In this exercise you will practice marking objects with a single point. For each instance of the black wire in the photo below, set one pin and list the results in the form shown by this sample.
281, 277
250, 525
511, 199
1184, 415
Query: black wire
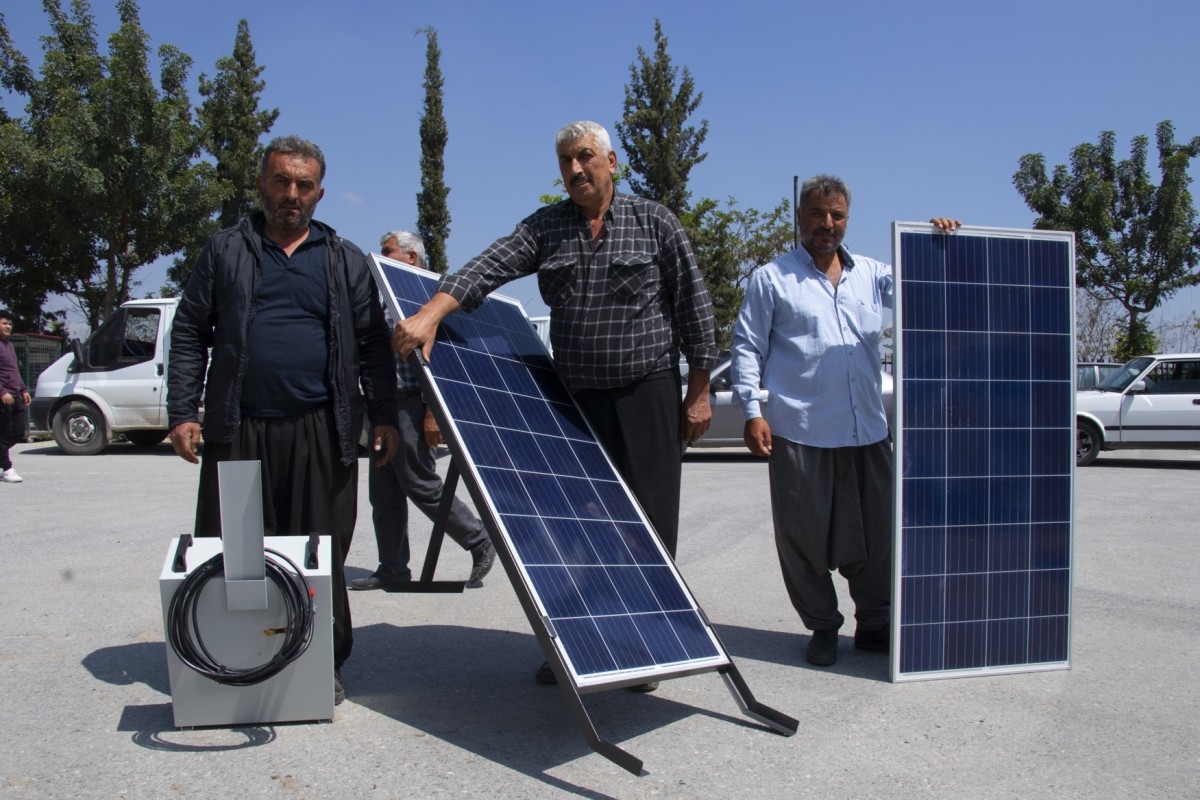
183, 622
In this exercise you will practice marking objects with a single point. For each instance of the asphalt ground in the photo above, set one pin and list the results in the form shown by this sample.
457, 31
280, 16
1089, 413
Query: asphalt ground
442, 701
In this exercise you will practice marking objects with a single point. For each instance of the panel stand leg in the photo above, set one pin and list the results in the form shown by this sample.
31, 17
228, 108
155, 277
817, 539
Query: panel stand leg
742, 695
427, 583
621, 758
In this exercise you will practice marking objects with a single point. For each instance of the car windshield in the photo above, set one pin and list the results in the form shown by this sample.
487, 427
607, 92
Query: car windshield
1119, 380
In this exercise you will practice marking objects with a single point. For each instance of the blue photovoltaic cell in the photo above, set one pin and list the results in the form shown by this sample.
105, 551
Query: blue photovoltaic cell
614, 602
984, 450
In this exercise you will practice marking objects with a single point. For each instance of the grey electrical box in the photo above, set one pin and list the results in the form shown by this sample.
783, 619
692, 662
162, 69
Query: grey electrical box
302, 691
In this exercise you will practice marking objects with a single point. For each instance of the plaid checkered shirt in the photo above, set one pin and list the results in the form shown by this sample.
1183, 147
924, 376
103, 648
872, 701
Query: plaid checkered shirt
621, 308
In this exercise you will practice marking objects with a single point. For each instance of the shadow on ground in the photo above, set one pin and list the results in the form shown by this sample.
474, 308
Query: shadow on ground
475, 689
112, 450
153, 726
123, 665
1110, 462
786, 648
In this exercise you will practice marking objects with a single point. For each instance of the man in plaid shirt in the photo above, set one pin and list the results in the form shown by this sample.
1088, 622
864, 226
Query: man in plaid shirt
625, 297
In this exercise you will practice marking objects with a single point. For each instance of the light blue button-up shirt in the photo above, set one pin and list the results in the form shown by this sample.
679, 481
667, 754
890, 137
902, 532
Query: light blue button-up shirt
815, 349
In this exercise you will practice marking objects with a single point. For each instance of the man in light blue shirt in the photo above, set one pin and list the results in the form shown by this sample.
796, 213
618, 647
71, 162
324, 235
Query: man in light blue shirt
809, 333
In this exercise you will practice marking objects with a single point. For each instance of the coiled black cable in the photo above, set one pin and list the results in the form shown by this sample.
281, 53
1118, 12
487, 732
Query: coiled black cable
183, 628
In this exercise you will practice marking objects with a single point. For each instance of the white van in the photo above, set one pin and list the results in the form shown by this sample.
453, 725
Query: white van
113, 384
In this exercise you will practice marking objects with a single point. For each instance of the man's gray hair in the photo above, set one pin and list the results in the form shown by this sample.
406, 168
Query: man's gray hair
292, 146
408, 242
825, 186
582, 129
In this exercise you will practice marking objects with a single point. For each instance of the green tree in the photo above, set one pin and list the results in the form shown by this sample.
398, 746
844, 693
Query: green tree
120, 184
231, 125
433, 213
1134, 242
27, 275
38, 244
661, 147
730, 243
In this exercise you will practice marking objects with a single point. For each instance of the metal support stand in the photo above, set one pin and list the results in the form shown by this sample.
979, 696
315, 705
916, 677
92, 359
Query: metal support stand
752, 708
542, 627
427, 584
773, 719
622, 758
544, 633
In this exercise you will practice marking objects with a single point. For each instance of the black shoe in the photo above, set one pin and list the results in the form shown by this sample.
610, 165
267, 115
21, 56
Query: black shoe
380, 579
366, 584
339, 691
877, 640
644, 688
822, 648
482, 559
545, 674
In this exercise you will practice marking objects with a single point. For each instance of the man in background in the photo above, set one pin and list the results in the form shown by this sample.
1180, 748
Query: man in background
14, 400
412, 474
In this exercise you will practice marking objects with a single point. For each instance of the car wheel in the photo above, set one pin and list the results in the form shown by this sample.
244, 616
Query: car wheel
79, 429
1087, 443
145, 438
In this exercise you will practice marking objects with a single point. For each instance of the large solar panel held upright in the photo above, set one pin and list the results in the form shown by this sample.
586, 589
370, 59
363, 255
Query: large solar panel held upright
593, 577
985, 370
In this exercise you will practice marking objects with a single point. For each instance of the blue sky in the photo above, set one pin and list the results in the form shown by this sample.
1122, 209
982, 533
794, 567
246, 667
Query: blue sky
924, 108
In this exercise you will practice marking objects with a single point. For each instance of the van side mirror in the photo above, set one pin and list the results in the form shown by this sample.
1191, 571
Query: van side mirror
80, 362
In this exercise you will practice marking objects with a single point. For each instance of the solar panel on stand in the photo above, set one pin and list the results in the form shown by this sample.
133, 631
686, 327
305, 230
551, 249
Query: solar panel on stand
985, 451
600, 591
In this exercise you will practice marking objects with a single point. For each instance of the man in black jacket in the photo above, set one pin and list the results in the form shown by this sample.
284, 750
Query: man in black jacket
292, 318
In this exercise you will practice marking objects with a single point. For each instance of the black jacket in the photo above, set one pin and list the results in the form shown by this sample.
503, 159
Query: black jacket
214, 315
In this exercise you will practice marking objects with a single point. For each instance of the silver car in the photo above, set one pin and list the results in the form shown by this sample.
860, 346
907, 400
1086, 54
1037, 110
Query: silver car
728, 420
1152, 402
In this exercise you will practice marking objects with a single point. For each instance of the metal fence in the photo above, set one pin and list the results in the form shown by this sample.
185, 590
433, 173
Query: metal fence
35, 352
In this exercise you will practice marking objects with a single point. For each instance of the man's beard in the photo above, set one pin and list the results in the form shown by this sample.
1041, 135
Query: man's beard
292, 224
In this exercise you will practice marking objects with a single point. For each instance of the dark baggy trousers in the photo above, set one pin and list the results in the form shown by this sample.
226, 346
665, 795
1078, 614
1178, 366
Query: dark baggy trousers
832, 509
306, 489
639, 426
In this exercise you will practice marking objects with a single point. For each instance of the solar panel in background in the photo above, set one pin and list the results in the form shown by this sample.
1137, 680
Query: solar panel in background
985, 451
591, 565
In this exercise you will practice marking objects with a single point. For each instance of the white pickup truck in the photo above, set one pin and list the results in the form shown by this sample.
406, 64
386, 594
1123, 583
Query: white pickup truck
112, 384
